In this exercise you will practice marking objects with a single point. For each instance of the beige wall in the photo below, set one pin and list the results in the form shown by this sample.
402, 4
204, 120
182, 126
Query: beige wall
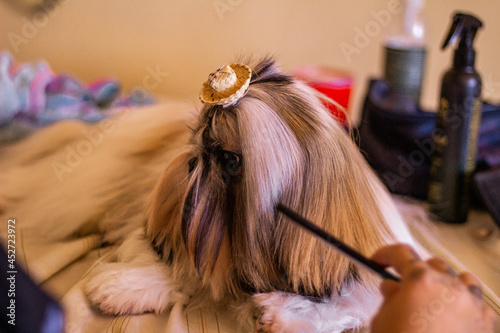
190, 38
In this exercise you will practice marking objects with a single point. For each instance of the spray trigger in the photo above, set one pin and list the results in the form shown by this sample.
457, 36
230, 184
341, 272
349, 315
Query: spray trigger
464, 27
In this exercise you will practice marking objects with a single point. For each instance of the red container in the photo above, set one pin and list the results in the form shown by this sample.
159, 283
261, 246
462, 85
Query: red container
334, 83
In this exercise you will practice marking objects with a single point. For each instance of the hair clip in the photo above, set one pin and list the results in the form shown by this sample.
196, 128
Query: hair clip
226, 85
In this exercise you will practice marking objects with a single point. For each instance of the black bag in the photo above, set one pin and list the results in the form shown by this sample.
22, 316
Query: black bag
396, 138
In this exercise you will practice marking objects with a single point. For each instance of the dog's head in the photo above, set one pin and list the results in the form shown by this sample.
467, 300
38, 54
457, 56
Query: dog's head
277, 144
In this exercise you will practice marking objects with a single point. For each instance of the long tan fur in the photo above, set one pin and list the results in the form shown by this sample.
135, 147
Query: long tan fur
292, 151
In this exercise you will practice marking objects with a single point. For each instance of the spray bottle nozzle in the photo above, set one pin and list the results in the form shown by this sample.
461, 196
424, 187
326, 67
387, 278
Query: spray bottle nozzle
464, 26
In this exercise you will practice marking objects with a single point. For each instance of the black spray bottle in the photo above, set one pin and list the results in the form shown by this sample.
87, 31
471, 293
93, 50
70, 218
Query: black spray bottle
457, 126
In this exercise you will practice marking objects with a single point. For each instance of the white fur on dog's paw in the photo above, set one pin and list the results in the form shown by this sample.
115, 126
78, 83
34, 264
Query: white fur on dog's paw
281, 315
291, 313
118, 289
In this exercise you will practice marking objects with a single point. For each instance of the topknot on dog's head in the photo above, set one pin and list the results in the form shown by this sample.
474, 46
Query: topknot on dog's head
227, 85
265, 73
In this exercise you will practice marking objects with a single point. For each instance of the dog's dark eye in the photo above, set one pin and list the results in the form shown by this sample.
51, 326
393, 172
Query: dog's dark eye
192, 163
231, 161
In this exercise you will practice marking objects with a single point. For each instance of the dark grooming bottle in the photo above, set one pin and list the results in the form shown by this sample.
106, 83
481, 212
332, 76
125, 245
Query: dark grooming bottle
455, 136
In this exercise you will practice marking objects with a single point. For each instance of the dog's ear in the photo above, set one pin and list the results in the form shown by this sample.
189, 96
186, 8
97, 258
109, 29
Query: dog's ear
203, 216
166, 206
186, 211
343, 196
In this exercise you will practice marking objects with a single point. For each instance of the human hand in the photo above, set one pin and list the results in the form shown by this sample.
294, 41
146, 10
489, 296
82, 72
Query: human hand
431, 297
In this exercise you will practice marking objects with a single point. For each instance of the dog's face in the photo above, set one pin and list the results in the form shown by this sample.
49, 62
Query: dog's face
277, 144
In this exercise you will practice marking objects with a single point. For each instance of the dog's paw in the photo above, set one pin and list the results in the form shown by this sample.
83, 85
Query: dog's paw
272, 321
118, 289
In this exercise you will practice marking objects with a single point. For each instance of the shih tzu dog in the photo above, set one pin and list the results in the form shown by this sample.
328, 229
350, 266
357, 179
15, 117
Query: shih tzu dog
211, 231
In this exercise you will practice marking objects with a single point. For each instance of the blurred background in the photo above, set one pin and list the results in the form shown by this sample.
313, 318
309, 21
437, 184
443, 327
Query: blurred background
169, 47
183, 41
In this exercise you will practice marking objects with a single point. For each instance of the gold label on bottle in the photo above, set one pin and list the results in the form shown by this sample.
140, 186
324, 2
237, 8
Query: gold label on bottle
435, 192
471, 148
439, 136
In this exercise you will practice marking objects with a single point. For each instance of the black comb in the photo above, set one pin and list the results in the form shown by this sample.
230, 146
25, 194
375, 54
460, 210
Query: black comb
342, 248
